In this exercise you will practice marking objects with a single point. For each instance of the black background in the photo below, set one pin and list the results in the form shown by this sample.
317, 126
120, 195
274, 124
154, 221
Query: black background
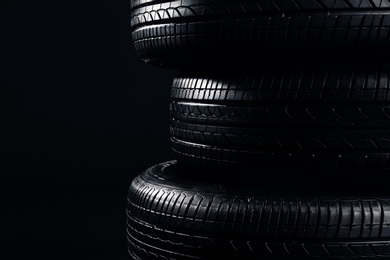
81, 116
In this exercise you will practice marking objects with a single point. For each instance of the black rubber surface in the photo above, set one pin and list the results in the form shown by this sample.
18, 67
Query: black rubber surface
334, 118
286, 83
203, 32
175, 215
282, 139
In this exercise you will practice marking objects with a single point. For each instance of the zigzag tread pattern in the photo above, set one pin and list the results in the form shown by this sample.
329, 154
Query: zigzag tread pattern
271, 4
329, 33
355, 84
140, 237
342, 163
165, 31
283, 139
282, 113
146, 11
183, 219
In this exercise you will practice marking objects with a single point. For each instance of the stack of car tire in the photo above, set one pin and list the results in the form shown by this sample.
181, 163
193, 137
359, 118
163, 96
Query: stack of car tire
280, 122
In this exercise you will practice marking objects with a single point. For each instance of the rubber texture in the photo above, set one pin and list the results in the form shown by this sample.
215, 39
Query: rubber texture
173, 216
335, 119
194, 33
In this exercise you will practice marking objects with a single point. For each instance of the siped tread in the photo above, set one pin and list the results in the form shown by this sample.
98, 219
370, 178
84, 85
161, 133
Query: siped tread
336, 83
167, 33
282, 139
333, 118
281, 114
170, 216
328, 164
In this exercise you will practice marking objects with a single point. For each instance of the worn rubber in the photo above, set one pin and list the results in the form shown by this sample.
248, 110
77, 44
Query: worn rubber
195, 33
171, 215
